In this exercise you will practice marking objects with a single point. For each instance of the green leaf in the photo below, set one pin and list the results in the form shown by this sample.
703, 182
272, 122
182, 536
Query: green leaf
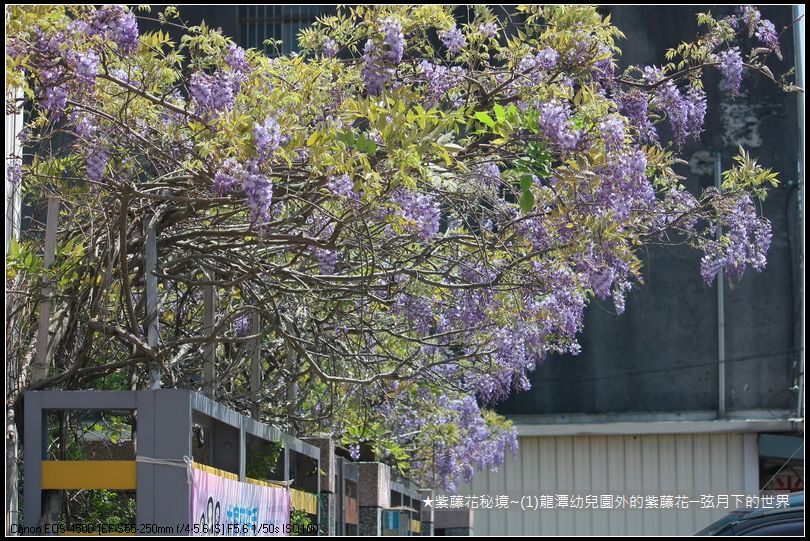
484, 118
313, 139
346, 137
512, 113
14, 250
526, 200
500, 113
366, 145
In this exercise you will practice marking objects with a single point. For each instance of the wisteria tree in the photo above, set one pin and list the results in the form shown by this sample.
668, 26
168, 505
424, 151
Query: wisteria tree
400, 222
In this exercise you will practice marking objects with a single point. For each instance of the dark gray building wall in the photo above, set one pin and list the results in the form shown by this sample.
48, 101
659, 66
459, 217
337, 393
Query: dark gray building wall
661, 354
225, 17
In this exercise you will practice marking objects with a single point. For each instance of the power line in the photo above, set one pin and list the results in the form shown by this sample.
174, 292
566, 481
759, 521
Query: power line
666, 369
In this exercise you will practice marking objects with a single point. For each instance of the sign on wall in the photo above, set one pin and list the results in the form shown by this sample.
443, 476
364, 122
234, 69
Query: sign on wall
225, 506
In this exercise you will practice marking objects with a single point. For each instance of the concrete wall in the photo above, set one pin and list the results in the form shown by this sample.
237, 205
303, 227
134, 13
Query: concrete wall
656, 464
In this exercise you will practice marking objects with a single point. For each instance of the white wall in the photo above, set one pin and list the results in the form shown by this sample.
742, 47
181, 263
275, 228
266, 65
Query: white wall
691, 464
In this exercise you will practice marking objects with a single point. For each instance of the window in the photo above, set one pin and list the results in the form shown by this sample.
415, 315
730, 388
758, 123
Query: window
259, 23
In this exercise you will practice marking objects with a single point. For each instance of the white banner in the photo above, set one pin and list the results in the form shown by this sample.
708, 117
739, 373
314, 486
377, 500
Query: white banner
224, 506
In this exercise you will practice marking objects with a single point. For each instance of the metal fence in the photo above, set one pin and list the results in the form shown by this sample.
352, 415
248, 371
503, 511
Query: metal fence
169, 422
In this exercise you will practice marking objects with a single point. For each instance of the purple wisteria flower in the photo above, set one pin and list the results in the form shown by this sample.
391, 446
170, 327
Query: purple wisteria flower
259, 190
635, 106
421, 210
479, 445
763, 29
479, 448
416, 310
766, 34
686, 113
327, 260
379, 60
48, 44
580, 52
533, 67
235, 58
731, 66
117, 24
342, 186
554, 124
440, 80
96, 158
750, 17
393, 40
534, 229
54, 100
241, 326
604, 70
695, 111
213, 93
230, 176
489, 175
488, 30
453, 39
54, 93
746, 242
624, 185
15, 49
268, 137
547, 58
680, 206
652, 74
375, 73
329, 48
354, 452
14, 172
84, 125
612, 129
86, 66
620, 290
